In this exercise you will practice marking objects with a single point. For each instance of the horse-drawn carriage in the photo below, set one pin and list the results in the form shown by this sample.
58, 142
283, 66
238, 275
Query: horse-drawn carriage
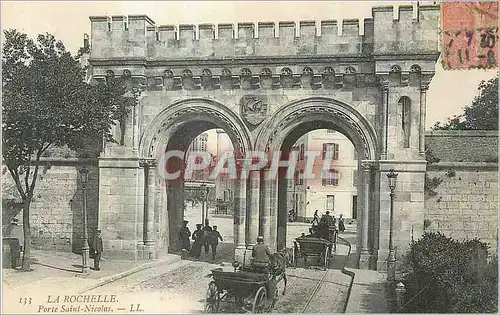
316, 245
255, 292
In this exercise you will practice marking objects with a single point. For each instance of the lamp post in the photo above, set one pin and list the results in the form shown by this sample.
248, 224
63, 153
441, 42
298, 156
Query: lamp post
85, 246
391, 264
202, 191
205, 195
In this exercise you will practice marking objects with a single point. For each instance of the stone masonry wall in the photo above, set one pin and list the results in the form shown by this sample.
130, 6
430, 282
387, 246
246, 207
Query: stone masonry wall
463, 146
57, 207
465, 204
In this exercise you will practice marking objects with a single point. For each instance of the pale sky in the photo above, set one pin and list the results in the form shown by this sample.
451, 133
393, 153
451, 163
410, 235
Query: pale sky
68, 21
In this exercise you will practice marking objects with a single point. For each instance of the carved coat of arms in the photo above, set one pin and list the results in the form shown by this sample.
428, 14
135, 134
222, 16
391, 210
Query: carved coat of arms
253, 108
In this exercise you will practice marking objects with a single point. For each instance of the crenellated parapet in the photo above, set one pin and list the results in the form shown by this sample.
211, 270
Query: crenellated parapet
405, 31
137, 36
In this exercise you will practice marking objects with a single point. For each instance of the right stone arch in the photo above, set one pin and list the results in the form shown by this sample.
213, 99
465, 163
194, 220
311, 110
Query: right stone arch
302, 116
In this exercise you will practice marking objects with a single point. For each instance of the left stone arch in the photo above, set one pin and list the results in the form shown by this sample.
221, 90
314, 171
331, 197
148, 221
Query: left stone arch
153, 142
173, 129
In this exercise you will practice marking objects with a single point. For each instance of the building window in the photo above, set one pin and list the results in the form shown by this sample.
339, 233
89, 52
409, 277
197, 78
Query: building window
330, 178
301, 153
299, 177
355, 178
330, 203
405, 104
333, 147
354, 207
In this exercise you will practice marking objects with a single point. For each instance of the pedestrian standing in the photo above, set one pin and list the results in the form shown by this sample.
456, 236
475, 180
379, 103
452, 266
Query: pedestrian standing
97, 248
184, 235
214, 240
341, 224
16, 231
207, 229
197, 244
315, 220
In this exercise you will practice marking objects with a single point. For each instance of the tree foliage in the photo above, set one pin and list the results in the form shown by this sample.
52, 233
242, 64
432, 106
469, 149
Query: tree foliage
481, 114
46, 102
449, 276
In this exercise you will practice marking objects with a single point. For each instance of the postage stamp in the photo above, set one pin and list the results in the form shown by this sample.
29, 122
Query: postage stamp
469, 33
249, 156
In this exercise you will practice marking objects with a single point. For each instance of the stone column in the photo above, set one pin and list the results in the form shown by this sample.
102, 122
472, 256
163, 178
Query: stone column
253, 209
385, 120
135, 119
265, 210
423, 105
149, 204
364, 253
240, 210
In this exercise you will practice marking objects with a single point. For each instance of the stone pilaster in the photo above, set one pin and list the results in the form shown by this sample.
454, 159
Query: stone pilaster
364, 253
385, 120
253, 209
423, 105
150, 192
135, 119
240, 207
265, 209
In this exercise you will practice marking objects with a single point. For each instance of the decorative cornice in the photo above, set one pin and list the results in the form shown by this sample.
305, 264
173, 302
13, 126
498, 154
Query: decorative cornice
148, 163
428, 56
235, 60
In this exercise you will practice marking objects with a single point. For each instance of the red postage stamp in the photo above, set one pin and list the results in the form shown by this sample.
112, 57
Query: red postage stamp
469, 35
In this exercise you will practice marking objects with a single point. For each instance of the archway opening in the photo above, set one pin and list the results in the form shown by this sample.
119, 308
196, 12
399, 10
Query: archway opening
326, 179
209, 198
200, 195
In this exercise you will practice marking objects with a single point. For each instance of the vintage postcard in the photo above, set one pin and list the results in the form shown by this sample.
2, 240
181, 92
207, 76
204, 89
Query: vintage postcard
263, 157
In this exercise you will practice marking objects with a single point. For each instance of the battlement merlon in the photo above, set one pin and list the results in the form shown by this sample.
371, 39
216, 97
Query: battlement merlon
405, 31
137, 36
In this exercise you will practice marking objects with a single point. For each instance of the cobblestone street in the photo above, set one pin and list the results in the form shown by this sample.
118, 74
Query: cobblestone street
180, 287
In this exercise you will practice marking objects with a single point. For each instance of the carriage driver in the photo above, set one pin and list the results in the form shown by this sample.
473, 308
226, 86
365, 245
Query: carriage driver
261, 256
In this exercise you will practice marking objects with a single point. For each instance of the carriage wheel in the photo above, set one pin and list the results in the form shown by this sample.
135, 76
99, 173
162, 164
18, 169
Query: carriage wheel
212, 298
259, 302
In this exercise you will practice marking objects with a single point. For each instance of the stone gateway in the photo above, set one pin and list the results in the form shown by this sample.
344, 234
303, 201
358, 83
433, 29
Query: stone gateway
266, 85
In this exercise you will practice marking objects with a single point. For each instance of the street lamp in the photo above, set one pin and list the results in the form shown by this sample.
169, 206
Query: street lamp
203, 186
85, 246
391, 264
205, 194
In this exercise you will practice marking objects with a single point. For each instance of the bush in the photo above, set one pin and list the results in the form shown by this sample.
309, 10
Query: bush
445, 275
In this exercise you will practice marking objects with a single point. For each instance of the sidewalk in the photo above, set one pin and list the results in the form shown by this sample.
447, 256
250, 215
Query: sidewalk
62, 271
368, 293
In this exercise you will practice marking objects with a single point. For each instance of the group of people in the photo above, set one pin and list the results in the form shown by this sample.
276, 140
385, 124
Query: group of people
326, 227
328, 220
204, 236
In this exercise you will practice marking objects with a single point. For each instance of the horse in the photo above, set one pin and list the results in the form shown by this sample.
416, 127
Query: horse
279, 262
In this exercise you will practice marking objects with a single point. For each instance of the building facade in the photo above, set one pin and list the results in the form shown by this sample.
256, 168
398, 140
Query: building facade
332, 184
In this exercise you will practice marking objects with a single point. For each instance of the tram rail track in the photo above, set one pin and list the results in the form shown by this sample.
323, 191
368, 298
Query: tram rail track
324, 277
